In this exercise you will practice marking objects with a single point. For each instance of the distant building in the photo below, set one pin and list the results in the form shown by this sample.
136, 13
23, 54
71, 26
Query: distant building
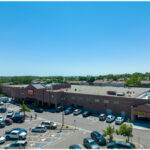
145, 83
109, 83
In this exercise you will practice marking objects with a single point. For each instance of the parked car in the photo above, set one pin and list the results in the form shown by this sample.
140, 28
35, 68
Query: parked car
1, 103
98, 138
10, 114
18, 119
110, 118
39, 110
60, 109
90, 143
3, 110
77, 112
17, 114
74, 147
4, 99
8, 121
15, 134
16, 145
120, 145
39, 129
102, 117
15, 129
49, 124
86, 114
2, 139
69, 110
1, 118
119, 120
2, 124
20, 129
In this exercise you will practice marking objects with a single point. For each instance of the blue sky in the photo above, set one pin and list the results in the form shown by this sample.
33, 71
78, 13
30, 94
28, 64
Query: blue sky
74, 38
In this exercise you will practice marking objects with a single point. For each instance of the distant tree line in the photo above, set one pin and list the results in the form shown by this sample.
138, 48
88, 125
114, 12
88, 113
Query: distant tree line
130, 79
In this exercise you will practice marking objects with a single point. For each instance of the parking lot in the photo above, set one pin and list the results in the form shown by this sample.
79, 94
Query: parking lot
77, 129
36, 140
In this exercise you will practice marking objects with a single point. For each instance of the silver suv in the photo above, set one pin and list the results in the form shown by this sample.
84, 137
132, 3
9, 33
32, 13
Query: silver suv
15, 134
41, 128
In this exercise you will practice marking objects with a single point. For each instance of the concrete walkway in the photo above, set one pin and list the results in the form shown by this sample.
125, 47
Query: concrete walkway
139, 126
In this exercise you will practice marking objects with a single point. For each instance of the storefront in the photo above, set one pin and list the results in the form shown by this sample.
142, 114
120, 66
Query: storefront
141, 113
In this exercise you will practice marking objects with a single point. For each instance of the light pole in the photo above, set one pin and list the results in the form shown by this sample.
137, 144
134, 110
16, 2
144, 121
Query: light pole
75, 124
62, 122
63, 119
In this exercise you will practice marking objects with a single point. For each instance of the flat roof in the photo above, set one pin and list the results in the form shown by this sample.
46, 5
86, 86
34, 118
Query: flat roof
102, 90
23, 85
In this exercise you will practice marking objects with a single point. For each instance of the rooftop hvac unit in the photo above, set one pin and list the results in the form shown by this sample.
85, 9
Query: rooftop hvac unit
120, 94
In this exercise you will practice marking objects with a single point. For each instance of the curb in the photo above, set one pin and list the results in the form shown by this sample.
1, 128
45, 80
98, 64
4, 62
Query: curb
137, 145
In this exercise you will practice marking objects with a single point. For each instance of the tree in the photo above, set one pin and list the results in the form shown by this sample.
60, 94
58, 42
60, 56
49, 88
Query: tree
109, 132
126, 131
90, 79
135, 80
24, 108
81, 78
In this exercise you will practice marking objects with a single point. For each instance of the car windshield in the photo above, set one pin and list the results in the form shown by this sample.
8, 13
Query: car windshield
1, 117
69, 108
119, 118
51, 123
9, 111
97, 134
77, 110
92, 142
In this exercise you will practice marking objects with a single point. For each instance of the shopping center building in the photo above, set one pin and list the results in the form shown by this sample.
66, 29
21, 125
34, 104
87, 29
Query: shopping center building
131, 102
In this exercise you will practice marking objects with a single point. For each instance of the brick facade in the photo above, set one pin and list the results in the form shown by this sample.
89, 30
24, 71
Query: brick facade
116, 105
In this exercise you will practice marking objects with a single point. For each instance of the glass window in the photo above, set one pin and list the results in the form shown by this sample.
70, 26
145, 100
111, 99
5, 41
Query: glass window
116, 102
88, 99
96, 100
80, 98
106, 101
73, 98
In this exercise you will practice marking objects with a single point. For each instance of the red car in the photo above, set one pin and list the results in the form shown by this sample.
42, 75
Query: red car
8, 121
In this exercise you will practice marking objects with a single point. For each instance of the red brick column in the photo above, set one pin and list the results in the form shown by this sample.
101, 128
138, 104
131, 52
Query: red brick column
132, 114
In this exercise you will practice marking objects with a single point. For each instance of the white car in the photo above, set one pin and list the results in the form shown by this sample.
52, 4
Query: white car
10, 112
15, 134
110, 118
2, 139
119, 120
1, 103
1, 118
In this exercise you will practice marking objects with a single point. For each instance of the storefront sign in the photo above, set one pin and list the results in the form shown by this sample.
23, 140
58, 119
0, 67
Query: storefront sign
139, 112
30, 92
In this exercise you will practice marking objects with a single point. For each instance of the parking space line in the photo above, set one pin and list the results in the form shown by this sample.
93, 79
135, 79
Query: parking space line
68, 131
40, 145
51, 140
60, 135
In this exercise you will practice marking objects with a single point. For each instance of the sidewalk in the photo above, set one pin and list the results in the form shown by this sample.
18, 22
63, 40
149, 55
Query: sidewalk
139, 126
